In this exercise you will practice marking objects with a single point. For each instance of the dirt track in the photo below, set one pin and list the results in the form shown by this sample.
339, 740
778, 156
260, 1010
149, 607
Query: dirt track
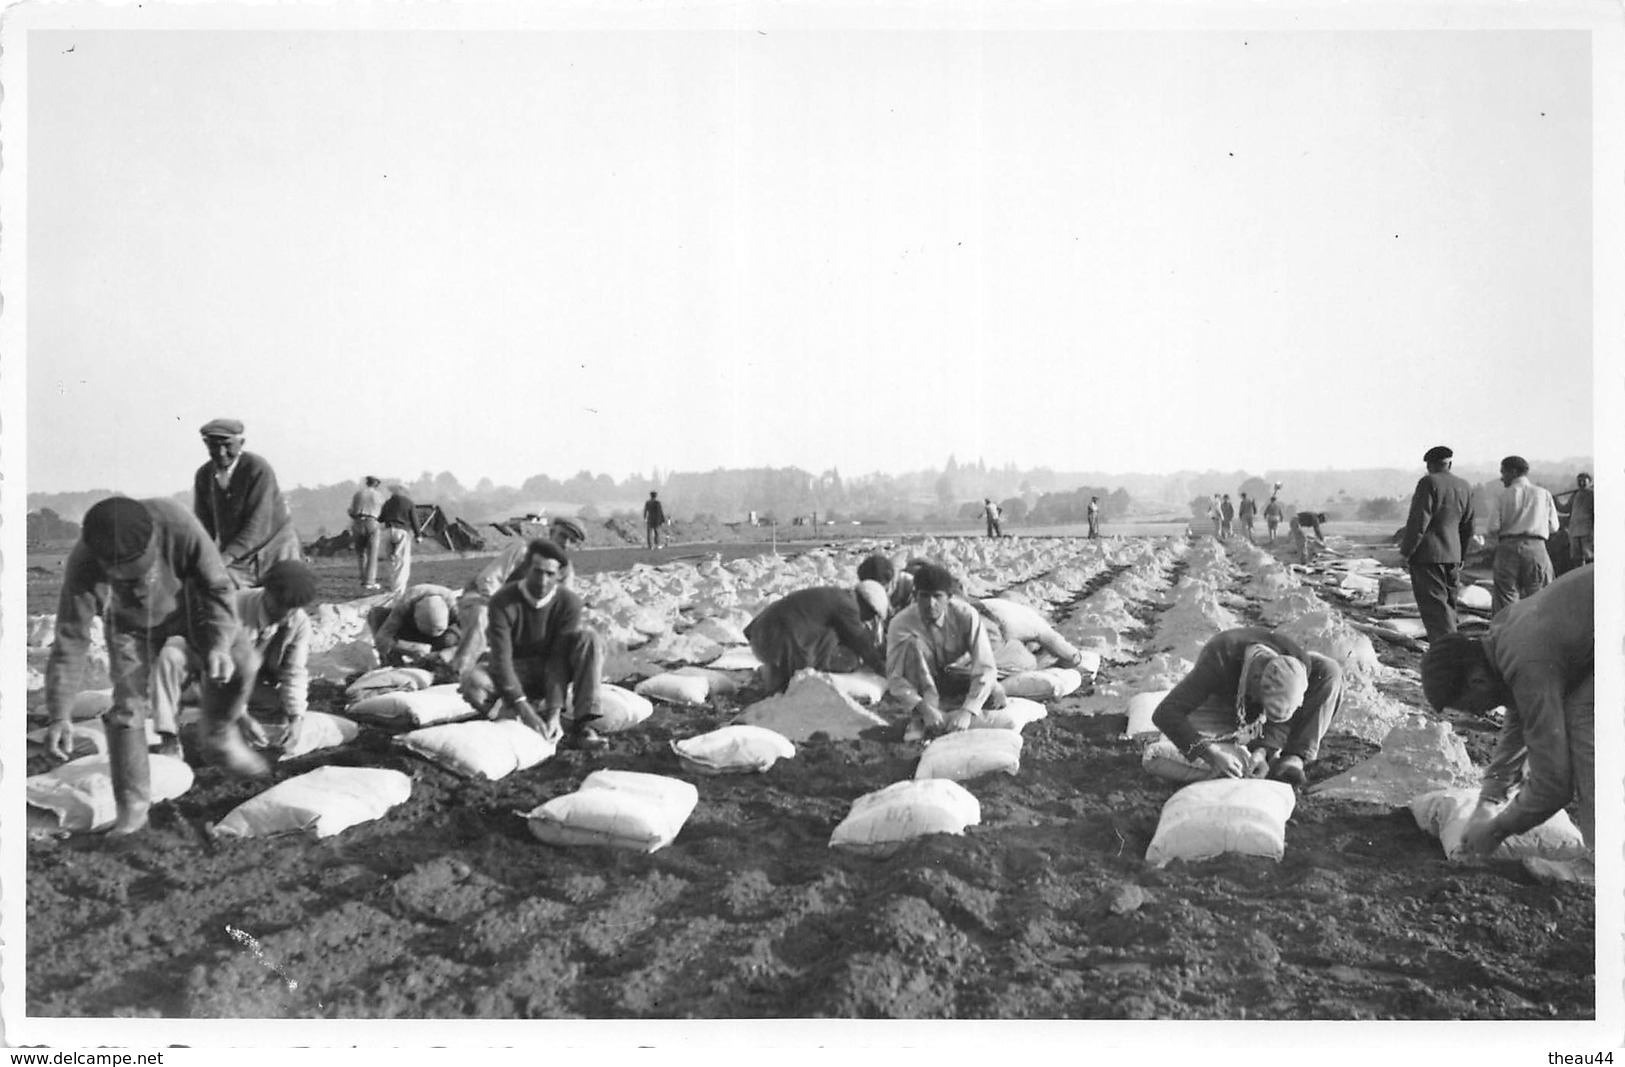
448, 907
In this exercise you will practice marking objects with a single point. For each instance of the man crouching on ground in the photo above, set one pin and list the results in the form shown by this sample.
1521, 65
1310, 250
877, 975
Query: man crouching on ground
921, 644
539, 649
1261, 692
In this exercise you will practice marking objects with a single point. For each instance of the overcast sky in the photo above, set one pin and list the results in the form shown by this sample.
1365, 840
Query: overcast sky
501, 253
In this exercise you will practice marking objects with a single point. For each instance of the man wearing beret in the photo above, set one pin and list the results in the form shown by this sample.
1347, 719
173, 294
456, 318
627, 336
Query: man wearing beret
1440, 525
1522, 516
150, 571
1257, 690
236, 498
1537, 661
924, 646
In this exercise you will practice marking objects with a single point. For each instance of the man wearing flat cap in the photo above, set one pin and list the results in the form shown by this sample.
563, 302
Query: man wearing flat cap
825, 628
150, 571
1537, 661
236, 498
1439, 527
938, 649
1256, 691
1522, 516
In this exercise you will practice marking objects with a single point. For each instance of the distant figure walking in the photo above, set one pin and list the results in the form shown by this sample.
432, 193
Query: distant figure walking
1216, 513
1273, 514
1522, 517
236, 497
1247, 511
365, 507
398, 522
1227, 513
654, 517
1440, 525
1582, 521
993, 514
1094, 516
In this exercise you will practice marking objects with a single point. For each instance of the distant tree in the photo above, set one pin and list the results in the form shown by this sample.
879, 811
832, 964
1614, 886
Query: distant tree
1380, 509
945, 491
1015, 509
970, 509
1257, 488
1116, 503
483, 486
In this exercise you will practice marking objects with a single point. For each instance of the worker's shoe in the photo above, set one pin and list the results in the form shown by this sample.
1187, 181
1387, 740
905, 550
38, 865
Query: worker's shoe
583, 737
1289, 769
224, 746
132, 777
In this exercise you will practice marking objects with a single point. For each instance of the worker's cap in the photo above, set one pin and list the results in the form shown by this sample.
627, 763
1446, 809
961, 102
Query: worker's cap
933, 578
1281, 685
431, 615
570, 527
222, 428
1437, 454
873, 594
117, 531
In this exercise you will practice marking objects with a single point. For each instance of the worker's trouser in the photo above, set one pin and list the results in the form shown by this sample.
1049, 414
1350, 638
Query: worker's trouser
568, 675
400, 556
141, 664
178, 663
1582, 548
1522, 568
1216, 717
1274, 524
1434, 587
367, 534
950, 684
1554, 757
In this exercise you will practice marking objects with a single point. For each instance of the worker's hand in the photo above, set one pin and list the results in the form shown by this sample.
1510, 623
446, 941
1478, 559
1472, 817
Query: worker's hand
1482, 835
59, 739
219, 667
1224, 761
552, 729
253, 731
930, 716
959, 720
293, 732
1260, 763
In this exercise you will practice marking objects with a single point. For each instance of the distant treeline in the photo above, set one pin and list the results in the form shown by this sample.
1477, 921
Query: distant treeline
1034, 496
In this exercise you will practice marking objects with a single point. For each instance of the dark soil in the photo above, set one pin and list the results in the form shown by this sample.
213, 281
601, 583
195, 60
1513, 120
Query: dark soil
448, 908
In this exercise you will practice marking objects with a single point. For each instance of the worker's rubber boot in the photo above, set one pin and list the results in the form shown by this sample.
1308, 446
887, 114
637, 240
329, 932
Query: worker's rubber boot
224, 746
132, 776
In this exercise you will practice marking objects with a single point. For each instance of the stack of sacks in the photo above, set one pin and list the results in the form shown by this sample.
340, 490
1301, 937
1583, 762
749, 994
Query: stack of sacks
388, 680
621, 809
321, 802
436, 704
881, 822
77, 797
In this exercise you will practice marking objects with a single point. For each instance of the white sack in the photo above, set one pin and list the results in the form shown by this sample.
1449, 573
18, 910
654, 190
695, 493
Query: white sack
1050, 683
863, 686
624, 809
1444, 814
736, 659
388, 680
80, 792
619, 709
969, 754
1140, 709
1015, 715
673, 688
733, 749
879, 822
492, 749
436, 704
1207, 819
319, 730
323, 802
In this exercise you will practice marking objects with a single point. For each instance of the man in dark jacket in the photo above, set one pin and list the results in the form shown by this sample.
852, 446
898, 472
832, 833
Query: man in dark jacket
238, 501
398, 522
1439, 527
1538, 661
1257, 690
540, 652
825, 628
149, 570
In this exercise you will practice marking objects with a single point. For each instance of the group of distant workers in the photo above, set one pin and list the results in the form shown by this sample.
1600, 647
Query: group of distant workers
994, 515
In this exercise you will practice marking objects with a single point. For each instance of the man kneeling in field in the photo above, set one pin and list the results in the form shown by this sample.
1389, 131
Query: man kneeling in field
825, 628
923, 645
1254, 692
539, 652
420, 628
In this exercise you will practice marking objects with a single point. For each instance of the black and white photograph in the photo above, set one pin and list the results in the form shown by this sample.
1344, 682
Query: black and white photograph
812, 526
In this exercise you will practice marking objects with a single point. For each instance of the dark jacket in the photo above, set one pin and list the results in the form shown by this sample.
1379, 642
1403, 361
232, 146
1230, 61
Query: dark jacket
799, 628
1441, 519
516, 631
399, 510
248, 520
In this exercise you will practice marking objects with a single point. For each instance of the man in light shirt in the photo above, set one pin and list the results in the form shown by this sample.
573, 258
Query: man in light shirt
1582, 521
236, 497
923, 645
365, 508
274, 639
1522, 517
